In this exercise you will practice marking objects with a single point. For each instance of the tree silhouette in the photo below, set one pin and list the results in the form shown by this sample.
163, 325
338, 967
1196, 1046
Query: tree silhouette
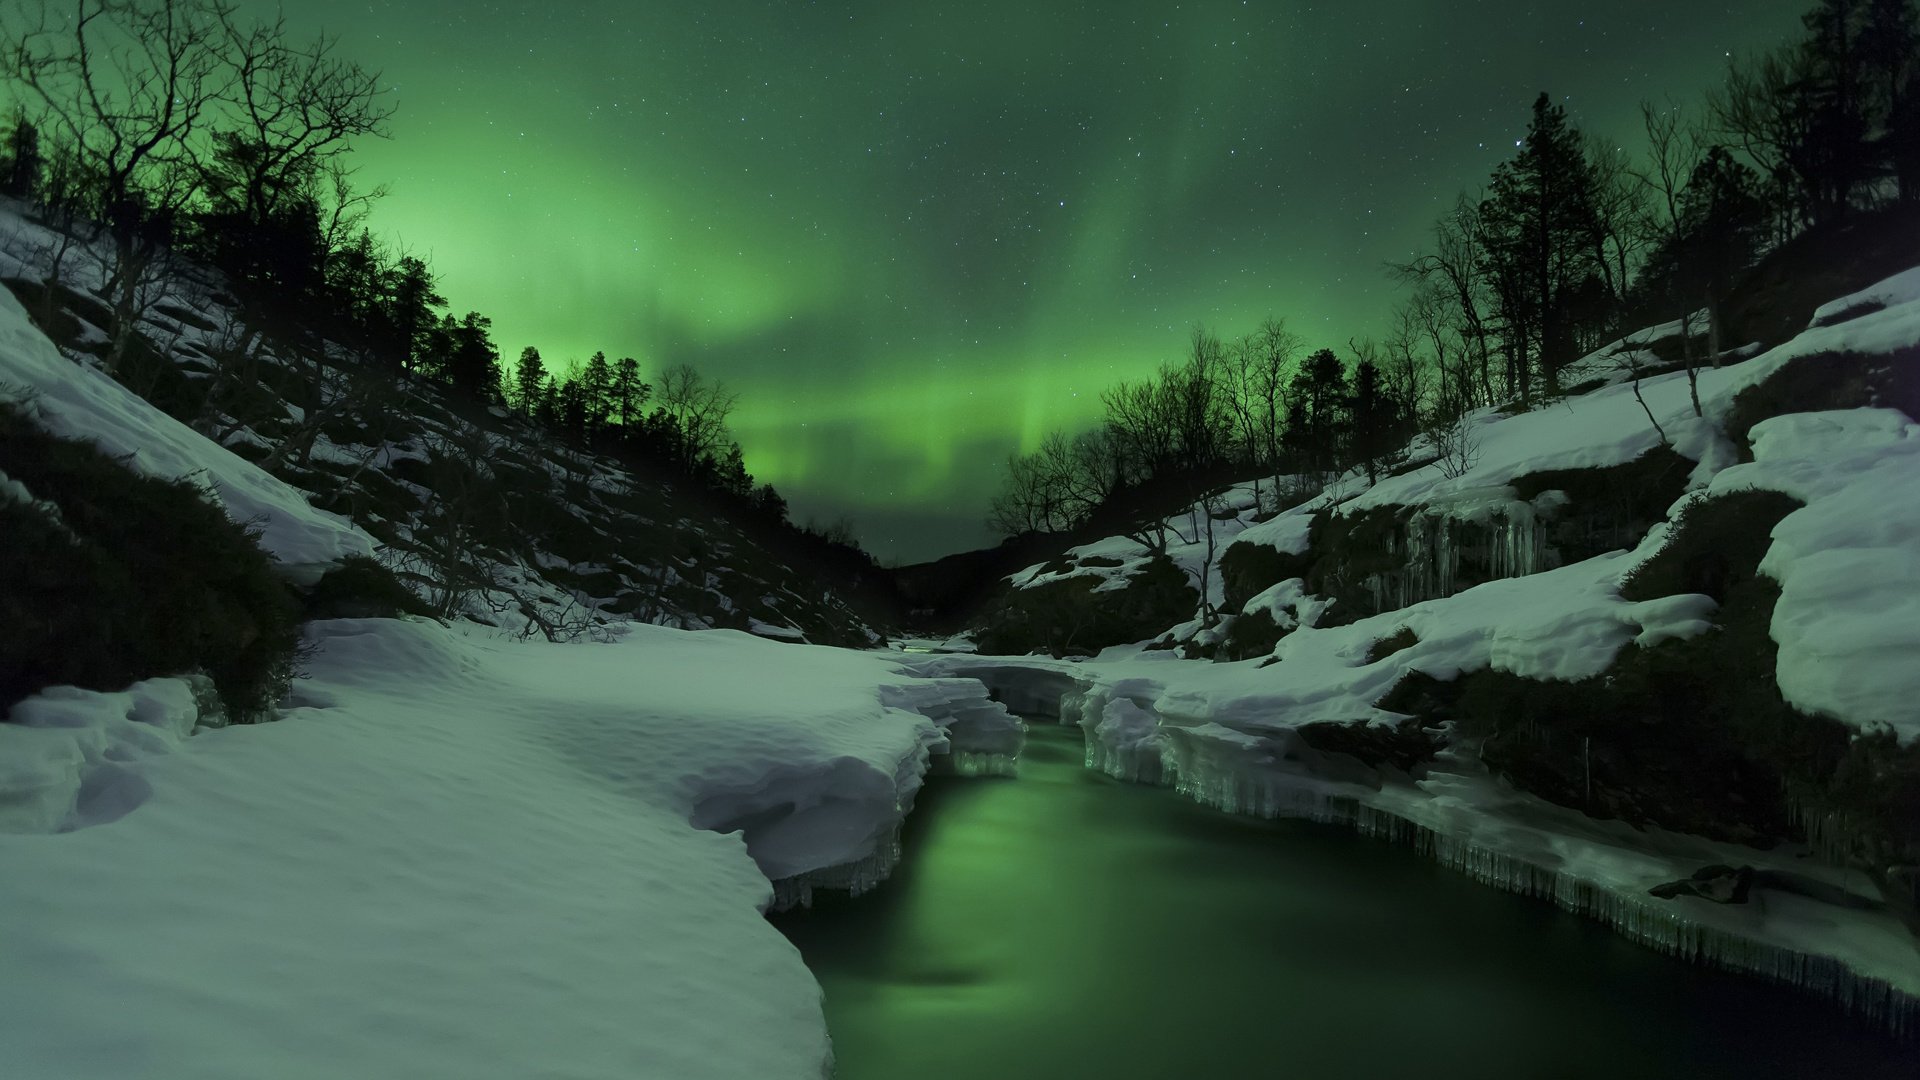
1538, 218
529, 380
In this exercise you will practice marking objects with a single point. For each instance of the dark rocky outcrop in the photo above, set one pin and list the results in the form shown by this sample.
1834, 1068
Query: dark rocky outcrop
1068, 617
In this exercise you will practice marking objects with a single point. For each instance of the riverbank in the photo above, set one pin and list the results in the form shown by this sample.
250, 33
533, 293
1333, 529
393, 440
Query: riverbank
1144, 722
1068, 924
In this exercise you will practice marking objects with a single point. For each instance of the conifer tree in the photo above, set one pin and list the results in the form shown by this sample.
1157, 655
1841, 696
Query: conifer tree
529, 380
1373, 418
1537, 218
472, 364
1890, 54
629, 393
1315, 424
596, 386
408, 312
21, 176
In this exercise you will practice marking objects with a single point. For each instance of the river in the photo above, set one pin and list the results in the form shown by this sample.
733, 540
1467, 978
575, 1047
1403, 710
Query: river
1066, 925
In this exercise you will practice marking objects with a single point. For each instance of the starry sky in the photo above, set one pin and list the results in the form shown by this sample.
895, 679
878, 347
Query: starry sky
916, 235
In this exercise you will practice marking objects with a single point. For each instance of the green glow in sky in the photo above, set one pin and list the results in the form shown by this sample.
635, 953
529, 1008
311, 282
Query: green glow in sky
916, 236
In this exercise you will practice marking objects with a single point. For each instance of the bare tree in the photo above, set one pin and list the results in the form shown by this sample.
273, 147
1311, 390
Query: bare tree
465, 508
1450, 430
1143, 419
699, 407
1760, 110
1674, 152
1464, 294
1059, 486
1619, 231
1201, 516
292, 110
1406, 368
125, 85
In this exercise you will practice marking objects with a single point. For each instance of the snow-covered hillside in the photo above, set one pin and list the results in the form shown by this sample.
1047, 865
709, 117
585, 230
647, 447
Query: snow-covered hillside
1379, 597
1848, 563
546, 537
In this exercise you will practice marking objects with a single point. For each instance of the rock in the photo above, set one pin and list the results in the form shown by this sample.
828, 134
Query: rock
1720, 884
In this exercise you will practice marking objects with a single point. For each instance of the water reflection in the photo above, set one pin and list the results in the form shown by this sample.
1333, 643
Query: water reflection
1065, 925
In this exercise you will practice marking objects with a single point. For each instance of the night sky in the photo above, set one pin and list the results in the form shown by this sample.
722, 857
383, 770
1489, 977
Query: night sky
917, 236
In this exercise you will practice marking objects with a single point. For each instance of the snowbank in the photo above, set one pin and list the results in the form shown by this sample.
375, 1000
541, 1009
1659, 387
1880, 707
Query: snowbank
1848, 563
79, 402
458, 858
1219, 740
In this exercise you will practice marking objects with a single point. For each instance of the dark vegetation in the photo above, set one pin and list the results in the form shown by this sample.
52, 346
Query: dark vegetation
1250, 635
1405, 747
1402, 639
111, 577
1247, 570
1713, 548
1826, 381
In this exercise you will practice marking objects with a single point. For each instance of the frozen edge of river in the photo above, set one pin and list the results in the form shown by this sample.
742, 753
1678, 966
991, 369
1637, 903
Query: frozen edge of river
1468, 821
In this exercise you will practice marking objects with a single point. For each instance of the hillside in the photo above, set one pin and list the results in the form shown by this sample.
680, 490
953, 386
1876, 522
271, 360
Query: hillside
482, 514
1582, 654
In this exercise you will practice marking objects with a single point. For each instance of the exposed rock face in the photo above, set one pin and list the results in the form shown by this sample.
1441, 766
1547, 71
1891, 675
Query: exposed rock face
1386, 558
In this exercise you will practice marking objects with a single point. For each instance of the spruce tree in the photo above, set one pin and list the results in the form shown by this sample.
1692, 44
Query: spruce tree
1537, 217
529, 380
1373, 418
629, 393
21, 177
596, 386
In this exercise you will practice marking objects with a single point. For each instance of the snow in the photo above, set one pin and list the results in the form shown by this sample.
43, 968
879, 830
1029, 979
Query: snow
455, 857
770, 630
1901, 288
1848, 622
1286, 532
67, 755
1848, 563
77, 401
1847, 625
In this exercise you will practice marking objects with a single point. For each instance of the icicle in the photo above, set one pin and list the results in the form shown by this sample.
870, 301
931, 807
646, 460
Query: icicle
1246, 775
976, 763
852, 878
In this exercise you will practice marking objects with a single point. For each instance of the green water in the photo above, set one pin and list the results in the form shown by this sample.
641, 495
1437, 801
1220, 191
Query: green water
1064, 925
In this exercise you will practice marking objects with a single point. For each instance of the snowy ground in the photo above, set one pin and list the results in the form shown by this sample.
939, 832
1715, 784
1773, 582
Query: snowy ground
454, 858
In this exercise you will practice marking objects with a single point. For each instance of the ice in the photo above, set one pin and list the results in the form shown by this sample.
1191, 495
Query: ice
1500, 532
1147, 731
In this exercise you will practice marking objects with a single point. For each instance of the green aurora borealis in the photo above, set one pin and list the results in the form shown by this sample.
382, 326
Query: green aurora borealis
917, 236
